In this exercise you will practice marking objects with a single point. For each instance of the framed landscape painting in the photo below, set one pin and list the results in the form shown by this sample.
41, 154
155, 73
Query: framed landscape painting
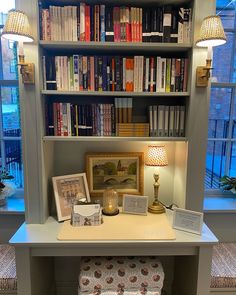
121, 171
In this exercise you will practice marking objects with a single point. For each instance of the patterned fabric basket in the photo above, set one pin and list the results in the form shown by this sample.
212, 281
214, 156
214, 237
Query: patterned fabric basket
120, 274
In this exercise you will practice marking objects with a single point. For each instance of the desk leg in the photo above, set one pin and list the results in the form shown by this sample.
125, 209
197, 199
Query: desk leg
193, 273
204, 270
23, 272
35, 275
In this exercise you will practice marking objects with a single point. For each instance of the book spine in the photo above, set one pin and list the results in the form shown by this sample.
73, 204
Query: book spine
97, 23
118, 85
87, 23
92, 23
78, 22
76, 72
82, 22
167, 24
174, 26
85, 72
92, 73
168, 74
81, 88
172, 79
104, 73
109, 25
102, 22
100, 67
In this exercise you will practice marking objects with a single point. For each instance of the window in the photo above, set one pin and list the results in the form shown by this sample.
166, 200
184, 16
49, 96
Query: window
221, 150
10, 130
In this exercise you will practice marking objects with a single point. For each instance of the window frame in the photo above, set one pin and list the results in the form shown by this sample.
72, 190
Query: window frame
229, 140
4, 139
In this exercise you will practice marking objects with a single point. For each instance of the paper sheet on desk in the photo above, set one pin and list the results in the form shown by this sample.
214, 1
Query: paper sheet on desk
121, 227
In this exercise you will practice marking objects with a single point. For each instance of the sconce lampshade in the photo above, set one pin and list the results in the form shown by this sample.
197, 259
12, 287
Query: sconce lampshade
156, 156
17, 27
211, 32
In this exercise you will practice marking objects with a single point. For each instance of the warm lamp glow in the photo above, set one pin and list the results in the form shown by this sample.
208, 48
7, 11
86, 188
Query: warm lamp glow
17, 27
211, 32
156, 156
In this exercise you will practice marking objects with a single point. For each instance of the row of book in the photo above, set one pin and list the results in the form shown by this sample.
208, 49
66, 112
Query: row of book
167, 121
116, 24
66, 119
115, 73
102, 119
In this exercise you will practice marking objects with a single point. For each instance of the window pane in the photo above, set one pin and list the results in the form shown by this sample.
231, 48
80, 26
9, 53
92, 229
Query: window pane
219, 113
215, 163
14, 161
234, 117
227, 14
223, 70
9, 60
232, 169
10, 111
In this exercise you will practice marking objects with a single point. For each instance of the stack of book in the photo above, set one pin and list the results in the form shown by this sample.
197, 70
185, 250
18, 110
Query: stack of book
115, 73
167, 121
132, 129
116, 24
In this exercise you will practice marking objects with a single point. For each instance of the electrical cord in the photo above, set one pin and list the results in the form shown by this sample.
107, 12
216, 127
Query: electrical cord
170, 207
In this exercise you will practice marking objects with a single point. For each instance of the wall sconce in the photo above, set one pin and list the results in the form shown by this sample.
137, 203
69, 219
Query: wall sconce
17, 29
211, 34
156, 156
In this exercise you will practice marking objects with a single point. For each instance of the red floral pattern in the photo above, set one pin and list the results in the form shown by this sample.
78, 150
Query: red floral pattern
122, 274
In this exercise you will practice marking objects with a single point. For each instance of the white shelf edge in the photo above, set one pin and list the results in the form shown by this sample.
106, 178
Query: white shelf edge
115, 45
113, 93
111, 138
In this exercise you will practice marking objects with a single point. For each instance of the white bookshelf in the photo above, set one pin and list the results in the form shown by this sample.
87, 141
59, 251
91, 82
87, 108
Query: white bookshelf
182, 182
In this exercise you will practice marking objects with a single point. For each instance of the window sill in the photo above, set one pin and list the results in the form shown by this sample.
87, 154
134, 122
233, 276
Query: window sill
15, 205
220, 204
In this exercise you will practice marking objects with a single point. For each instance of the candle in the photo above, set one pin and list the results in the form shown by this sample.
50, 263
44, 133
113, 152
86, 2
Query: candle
209, 52
110, 202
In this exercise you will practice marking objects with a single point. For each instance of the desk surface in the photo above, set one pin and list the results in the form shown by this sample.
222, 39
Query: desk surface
45, 235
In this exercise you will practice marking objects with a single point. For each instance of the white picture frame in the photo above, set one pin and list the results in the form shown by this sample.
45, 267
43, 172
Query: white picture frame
67, 188
187, 220
133, 204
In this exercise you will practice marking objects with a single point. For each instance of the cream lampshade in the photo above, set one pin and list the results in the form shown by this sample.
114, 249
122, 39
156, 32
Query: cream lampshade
211, 32
156, 156
17, 27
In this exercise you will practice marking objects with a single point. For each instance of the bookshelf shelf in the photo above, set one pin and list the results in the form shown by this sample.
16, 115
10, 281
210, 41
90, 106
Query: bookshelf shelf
114, 46
113, 93
111, 138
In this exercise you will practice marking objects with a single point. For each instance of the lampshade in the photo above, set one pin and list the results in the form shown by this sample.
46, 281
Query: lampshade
17, 27
211, 32
156, 156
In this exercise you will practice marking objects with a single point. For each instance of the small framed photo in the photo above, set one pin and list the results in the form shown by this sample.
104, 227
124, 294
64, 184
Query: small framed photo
186, 220
121, 171
67, 189
135, 204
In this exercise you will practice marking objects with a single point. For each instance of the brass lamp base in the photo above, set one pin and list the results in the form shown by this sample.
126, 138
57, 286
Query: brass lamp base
156, 208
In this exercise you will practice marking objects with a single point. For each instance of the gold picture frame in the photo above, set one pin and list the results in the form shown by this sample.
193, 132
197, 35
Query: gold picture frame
121, 171
67, 189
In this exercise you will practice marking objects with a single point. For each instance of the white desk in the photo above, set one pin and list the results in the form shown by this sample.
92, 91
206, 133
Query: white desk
36, 245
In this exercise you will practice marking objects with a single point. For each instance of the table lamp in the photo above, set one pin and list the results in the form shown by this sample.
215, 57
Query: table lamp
211, 34
156, 156
17, 29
